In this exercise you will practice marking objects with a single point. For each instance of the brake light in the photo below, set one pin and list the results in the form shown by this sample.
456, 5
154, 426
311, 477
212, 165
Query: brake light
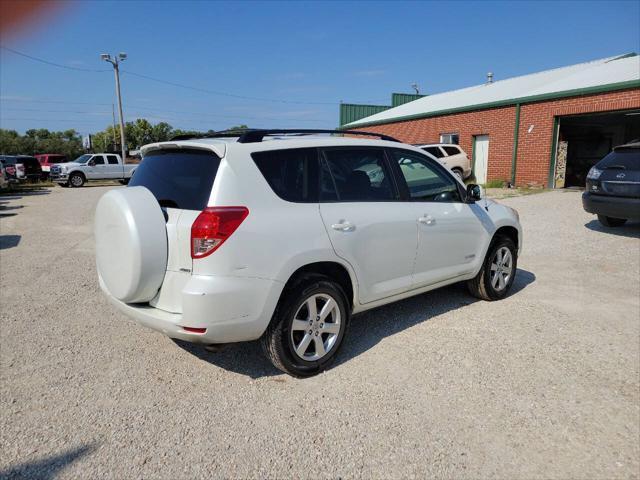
20, 167
212, 228
10, 170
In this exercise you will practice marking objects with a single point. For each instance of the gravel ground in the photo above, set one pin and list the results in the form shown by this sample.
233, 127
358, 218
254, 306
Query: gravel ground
544, 384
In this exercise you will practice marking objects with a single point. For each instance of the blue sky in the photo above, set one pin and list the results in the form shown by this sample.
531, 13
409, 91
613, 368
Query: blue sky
304, 57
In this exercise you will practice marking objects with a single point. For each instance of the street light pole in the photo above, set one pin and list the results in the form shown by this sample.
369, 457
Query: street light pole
115, 61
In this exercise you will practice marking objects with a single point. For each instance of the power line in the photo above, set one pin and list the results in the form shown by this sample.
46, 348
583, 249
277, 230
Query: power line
54, 64
224, 94
180, 85
157, 110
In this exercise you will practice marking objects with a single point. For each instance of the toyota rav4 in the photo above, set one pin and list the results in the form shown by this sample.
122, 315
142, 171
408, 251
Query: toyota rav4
283, 235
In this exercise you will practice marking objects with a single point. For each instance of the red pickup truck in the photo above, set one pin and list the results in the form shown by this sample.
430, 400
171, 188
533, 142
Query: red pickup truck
48, 159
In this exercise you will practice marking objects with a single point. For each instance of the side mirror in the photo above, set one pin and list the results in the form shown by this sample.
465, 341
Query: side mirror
91, 163
474, 192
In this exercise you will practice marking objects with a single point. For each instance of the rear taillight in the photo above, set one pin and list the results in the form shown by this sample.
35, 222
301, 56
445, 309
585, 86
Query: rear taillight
20, 167
10, 170
212, 228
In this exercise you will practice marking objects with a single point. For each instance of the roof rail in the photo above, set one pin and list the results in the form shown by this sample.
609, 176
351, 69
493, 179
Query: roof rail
252, 136
257, 135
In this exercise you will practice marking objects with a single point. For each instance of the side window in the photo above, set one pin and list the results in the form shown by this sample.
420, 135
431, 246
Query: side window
99, 159
451, 150
112, 159
426, 182
358, 175
435, 151
292, 174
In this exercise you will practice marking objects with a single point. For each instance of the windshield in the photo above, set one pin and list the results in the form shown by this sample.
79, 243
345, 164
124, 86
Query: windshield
82, 158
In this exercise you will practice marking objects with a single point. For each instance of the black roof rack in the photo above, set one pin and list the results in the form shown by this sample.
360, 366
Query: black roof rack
257, 135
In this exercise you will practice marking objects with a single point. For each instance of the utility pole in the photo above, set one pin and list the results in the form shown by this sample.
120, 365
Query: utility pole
113, 118
115, 61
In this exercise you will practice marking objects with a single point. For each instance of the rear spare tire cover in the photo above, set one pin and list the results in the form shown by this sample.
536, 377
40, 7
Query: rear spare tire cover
131, 244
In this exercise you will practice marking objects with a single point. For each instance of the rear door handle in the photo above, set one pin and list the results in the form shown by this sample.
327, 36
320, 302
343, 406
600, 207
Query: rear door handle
427, 220
343, 226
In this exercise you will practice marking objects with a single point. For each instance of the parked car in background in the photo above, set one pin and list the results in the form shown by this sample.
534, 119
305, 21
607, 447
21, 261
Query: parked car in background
450, 155
613, 186
220, 240
48, 159
3, 177
91, 166
21, 168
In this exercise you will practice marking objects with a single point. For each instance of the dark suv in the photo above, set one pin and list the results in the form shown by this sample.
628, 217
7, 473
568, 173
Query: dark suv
613, 186
20, 168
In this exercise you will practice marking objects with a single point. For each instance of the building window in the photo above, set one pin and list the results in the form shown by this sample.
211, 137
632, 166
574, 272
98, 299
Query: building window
449, 138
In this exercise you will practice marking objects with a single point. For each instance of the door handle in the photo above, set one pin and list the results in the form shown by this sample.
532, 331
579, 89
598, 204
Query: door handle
343, 226
427, 220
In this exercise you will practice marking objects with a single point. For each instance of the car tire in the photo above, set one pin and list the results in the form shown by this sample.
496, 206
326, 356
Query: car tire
495, 278
296, 348
124, 182
611, 222
76, 180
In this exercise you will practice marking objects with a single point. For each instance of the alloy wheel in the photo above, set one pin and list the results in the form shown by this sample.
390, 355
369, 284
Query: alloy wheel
501, 268
315, 327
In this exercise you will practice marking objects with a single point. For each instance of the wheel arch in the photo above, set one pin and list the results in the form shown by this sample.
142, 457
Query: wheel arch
331, 269
509, 232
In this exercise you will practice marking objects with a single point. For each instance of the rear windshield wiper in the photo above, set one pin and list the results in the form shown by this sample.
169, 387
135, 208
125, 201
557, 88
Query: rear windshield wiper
615, 167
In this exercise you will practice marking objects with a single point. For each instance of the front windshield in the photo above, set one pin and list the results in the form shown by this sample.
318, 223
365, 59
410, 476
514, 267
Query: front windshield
82, 158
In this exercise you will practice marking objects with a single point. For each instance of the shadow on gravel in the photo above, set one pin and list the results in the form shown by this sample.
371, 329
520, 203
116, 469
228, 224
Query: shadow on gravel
17, 192
47, 468
365, 331
629, 229
9, 241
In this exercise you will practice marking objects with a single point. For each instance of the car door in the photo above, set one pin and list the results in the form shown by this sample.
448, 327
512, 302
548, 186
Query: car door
96, 168
368, 225
451, 233
114, 168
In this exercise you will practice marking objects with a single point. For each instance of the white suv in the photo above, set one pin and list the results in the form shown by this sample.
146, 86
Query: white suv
284, 237
450, 155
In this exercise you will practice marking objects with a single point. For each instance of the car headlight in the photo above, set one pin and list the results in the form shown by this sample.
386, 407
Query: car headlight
594, 173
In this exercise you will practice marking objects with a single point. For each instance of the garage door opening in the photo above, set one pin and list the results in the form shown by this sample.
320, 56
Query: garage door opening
583, 140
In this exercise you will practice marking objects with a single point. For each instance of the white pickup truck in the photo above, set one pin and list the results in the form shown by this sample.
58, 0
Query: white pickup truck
91, 166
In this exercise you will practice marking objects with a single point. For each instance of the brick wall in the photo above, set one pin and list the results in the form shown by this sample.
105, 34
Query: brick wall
534, 149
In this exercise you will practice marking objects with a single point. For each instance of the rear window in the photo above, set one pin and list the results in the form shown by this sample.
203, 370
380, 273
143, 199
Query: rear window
624, 158
292, 174
178, 178
30, 162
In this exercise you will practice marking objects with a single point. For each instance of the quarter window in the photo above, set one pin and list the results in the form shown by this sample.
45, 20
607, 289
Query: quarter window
451, 150
435, 151
112, 159
292, 174
425, 181
357, 175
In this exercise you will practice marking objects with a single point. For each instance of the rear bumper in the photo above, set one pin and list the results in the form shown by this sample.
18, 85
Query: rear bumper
610, 206
232, 309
